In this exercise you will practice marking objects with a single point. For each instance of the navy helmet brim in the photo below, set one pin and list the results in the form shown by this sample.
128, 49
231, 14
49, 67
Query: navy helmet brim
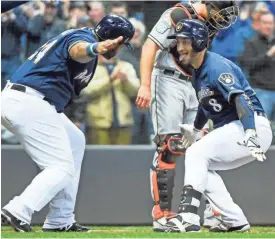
175, 35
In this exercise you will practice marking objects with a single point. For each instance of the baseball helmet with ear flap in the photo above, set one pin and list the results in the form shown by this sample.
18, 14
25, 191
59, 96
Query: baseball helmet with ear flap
192, 29
112, 26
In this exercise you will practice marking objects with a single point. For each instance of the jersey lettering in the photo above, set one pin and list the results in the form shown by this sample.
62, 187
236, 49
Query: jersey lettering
83, 77
41, 51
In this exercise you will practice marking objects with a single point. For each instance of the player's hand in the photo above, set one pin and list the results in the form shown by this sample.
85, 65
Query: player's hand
143, 97
251, 142
190, 134
108, 45
121, 76
271, 51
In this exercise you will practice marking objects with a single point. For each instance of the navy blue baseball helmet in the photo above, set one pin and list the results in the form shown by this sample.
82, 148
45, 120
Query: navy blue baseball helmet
112, 26
194, 30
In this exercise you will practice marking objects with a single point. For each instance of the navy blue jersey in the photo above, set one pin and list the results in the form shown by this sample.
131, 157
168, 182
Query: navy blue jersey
51, 71
215, 82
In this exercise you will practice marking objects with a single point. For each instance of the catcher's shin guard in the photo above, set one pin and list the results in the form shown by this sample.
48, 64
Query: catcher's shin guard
163, 174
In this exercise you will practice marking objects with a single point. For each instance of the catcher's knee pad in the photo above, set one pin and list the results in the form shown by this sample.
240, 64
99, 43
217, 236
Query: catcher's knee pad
163, 174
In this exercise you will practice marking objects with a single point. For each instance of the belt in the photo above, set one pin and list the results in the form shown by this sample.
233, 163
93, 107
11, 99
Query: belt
259, 113
31, 91
173, 73
25, 89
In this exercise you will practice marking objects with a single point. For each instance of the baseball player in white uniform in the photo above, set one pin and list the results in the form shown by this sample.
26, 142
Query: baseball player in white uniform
33, 103
166, 87
241, 134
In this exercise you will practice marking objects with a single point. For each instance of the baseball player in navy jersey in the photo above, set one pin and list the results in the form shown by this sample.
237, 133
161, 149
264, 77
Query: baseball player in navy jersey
32, 108
241, 134
173, 98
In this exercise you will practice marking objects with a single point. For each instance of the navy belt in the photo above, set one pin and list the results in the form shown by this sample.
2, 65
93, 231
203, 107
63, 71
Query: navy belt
23, 89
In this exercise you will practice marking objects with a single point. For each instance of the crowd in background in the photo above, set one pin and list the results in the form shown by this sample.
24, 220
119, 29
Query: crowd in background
106, 110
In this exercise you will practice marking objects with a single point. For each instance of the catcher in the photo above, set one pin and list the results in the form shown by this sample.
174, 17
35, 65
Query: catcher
173, 99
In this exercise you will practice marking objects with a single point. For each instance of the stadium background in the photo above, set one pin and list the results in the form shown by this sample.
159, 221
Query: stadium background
30, 25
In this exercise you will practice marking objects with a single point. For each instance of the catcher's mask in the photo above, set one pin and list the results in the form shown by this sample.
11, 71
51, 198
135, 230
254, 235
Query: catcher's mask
221, 14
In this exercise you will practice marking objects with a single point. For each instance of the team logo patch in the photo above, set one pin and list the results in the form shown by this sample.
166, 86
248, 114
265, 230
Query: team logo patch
226, 79
179, 27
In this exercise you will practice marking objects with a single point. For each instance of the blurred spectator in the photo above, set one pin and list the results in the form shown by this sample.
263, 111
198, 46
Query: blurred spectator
84, 21
96, 12
259, 60
119, 8
143, 128
259, 9
42, 26
13, 25
244, 29
109, 115
77, 10
65, 10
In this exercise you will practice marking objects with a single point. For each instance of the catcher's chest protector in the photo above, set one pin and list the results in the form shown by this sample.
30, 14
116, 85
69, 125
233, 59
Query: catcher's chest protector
182, 11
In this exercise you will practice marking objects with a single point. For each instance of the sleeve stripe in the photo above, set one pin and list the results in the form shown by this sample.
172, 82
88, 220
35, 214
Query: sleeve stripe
69, 48
156, 41
232, 93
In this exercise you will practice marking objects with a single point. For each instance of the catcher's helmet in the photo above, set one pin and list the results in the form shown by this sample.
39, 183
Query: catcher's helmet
221, 14
112, 26
194, 30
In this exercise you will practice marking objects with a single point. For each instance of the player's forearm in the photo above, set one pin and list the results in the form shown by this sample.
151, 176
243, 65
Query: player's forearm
245, 112
201, 119
148, 54
83, 52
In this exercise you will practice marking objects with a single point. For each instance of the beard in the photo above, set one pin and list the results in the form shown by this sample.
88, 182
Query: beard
185, 59
190, 58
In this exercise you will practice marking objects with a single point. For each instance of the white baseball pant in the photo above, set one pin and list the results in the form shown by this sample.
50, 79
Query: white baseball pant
219, 150
56, 145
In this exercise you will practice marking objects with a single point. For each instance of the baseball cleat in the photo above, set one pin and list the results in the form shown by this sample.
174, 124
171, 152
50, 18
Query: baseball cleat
18, 225
177, 224
159, 224
222, 227
211, 217
211, 222
71, 228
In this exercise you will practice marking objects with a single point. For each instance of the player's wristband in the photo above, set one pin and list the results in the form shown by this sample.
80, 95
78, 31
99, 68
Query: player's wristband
91, 50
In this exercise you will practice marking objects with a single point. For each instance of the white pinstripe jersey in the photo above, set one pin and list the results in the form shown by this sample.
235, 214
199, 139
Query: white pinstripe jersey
159, 34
